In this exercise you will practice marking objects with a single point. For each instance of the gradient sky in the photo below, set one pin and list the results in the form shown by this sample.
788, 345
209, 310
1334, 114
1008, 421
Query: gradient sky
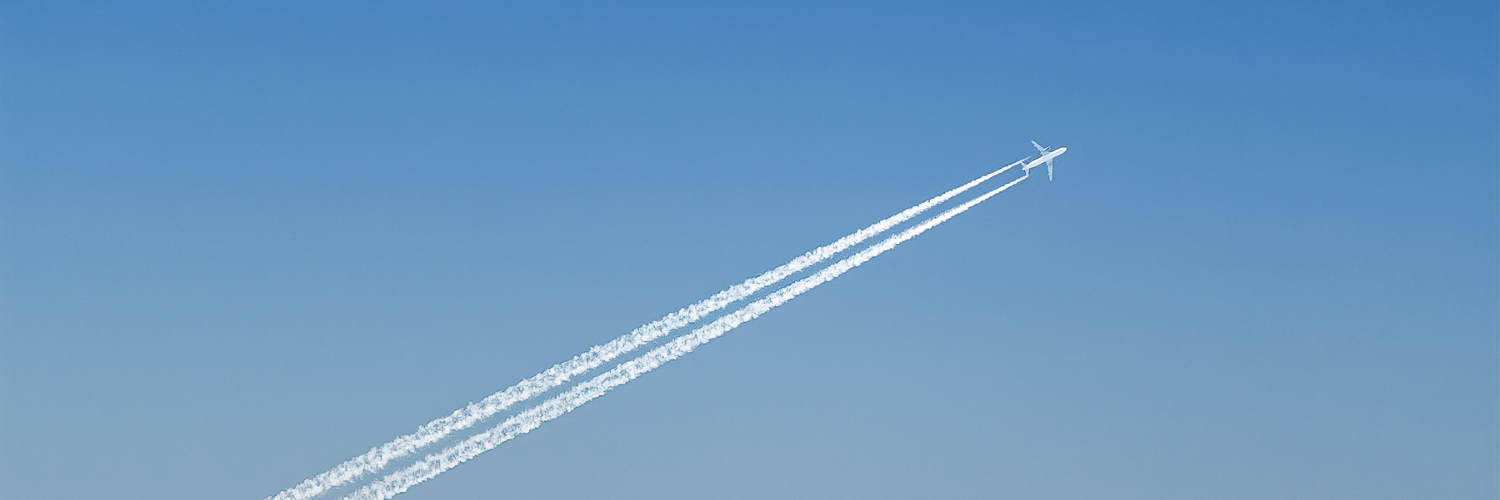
240, 245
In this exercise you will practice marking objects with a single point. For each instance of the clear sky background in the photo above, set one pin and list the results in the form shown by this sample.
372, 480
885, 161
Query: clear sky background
243, 244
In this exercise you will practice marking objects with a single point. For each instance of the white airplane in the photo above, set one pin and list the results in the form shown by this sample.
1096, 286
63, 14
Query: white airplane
1047, 156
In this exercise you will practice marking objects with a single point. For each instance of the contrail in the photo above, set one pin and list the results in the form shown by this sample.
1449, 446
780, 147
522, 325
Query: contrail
521, 423
463, 418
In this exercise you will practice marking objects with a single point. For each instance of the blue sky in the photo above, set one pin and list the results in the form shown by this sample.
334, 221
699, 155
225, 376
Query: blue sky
239, 245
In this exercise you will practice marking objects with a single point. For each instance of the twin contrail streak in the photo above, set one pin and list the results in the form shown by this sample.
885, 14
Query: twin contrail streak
377, 458
521, 423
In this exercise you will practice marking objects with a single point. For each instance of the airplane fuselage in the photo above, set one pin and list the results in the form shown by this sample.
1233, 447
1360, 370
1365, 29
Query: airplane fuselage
1044, 158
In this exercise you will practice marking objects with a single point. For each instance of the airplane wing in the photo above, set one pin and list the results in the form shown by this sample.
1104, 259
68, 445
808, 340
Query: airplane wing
1039, 147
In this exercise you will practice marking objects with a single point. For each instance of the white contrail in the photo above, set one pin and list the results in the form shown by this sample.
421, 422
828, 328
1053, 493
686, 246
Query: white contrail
558, 374
521, 423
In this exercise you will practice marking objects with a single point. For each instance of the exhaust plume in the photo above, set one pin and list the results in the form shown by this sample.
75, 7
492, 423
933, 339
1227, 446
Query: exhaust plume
463, 418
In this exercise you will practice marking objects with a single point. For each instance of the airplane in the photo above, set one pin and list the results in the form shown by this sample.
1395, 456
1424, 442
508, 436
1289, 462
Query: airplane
1047, 156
